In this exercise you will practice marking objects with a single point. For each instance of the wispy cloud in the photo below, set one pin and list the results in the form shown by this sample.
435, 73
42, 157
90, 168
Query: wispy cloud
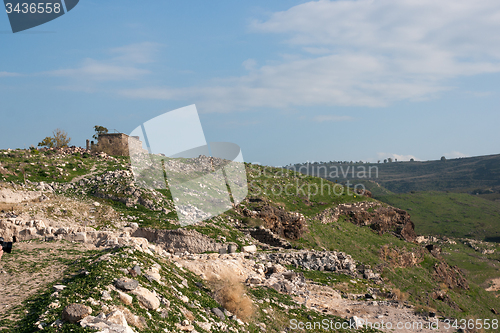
9, 74
332, 118
358, 53
100, 71
122, 65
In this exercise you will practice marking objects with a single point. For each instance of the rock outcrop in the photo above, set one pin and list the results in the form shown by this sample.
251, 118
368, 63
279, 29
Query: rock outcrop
179, 240
379, 218
281, 222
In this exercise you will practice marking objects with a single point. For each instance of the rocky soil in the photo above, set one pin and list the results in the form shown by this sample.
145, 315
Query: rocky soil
130, 278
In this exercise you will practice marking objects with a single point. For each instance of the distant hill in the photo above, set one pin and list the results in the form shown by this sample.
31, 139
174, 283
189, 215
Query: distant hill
476, 175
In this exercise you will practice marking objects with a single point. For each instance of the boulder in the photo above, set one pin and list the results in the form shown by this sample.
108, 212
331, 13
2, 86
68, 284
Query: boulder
103, 325
125, 298
117, 317
73, 313
146, 298
218, 312
249, 248
126, 284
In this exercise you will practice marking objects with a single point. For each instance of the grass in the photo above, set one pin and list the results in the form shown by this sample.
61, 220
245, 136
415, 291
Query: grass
458, 215
461, 174
418, 281
450, 214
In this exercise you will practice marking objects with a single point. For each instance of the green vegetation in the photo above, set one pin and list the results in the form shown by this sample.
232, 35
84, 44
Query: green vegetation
434, 213
58, 139
419, 281
473, 174
450, 214
297, 192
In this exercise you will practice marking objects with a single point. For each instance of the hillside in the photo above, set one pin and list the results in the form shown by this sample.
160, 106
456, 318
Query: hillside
95, 250
480, 174
450, 214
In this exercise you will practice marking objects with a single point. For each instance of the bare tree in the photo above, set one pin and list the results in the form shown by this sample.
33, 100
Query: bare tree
58, 139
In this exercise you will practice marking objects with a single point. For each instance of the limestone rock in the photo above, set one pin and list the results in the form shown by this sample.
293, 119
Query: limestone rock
218, 312
250, 248
125, 298
103, 325
126, 284
73, 313
146, 298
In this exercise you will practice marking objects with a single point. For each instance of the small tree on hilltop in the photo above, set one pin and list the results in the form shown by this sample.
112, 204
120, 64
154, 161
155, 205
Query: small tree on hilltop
47, 142
443, 158
58, 139
61, 138
99, 130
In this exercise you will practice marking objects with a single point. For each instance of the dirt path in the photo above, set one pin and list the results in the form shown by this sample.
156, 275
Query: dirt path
91, 172
31, 266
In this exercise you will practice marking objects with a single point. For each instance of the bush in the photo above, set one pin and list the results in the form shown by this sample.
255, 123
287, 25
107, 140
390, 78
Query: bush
58, 139
230, 293
399, 295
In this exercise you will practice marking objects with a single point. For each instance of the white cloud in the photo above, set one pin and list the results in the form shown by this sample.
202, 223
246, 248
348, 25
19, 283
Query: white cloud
334, 118
249, 64
140, 53
9, 74
101, 71
122, 66
359, 53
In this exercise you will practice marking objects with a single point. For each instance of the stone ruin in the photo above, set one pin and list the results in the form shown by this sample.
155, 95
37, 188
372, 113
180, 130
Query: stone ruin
115, 144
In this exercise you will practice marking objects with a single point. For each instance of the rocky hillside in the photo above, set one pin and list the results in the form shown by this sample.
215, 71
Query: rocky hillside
97, 252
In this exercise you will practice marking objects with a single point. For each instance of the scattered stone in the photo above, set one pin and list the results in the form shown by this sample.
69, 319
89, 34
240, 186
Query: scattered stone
117, 317
137, 269
146, 298
355, 322
106, 296
219, 313
205, 326
250, 248
126, 284
73, 313
101, 324
125, 298
59, 287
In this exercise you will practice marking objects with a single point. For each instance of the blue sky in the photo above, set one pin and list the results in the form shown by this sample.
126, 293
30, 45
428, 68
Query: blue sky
289, 81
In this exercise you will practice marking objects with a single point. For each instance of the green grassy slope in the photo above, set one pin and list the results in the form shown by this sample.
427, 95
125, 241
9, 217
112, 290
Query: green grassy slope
450, 214
463, 174
309, 196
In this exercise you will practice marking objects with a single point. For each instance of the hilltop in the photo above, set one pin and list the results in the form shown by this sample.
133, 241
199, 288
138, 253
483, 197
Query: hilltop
96, 250
478, 175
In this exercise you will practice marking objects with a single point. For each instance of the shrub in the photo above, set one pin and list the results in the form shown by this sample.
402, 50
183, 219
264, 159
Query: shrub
230, 293
399, 295
58, 139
